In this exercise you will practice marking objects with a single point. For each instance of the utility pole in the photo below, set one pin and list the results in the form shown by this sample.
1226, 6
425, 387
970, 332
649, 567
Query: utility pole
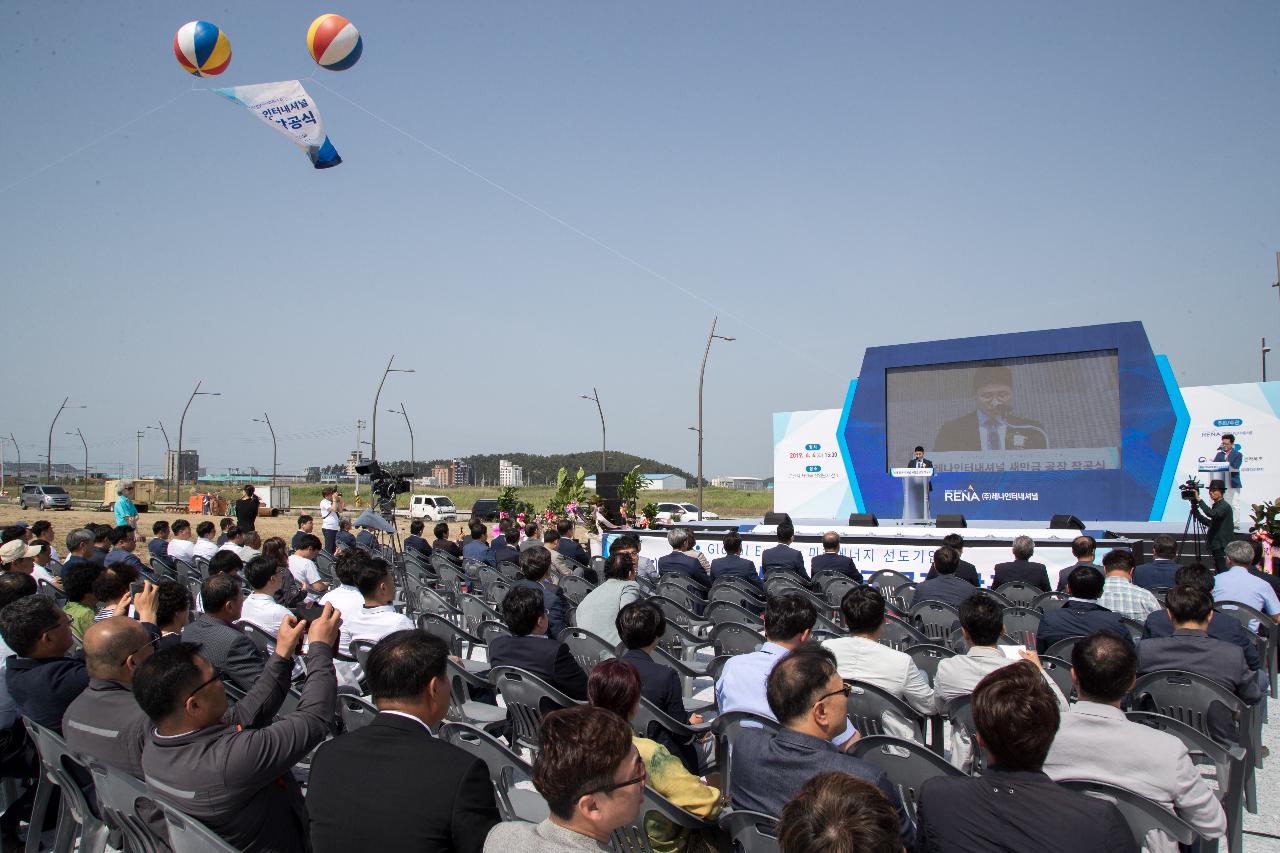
412, 459
48, 466
181, 423
359, 452
137, 462
702, 373
167, 482
373, 433
1265, 349
17, 481
85, 479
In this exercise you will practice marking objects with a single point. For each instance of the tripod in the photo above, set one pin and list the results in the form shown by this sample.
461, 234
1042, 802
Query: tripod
1194, 529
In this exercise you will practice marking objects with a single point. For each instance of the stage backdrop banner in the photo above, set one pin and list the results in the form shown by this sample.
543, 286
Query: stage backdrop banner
809, 475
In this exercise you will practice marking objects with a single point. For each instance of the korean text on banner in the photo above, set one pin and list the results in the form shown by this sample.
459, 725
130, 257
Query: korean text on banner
288, 108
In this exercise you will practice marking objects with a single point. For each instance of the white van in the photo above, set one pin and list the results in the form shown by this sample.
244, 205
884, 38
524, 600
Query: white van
432, 508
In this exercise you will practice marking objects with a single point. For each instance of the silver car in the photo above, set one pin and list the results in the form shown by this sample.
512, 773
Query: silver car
44, 497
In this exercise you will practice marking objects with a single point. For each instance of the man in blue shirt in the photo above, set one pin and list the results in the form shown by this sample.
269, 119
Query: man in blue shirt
831, 560
1229, 454
158, 546
1236, 584
733, 564
1161, 571
782, 555
477, 547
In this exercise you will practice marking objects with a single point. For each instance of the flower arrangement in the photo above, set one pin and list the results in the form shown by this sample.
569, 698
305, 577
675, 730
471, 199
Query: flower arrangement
1266, 528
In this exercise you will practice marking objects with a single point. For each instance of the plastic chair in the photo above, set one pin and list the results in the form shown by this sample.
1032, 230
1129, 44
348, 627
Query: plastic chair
1259, 624
998, 598
453, 583
1229, 767
734, 638
463, 684
690, 605
677, 581
887, 580
783, 583
903, 597
927, 656
324, 566
934, 619
47, 589
834, 586
460, 642
506, 770
1049, 601
76, 819
509, 570
489, 629
160, 568
634, 837
1022, 623
733, 591
1019, 594
649, 718
1063, 648
727, 611
356, 711
575, 588
1141, 814
527, 697
474, 610
488, 575
907, 764
783, 574
262, 639
868, 705
726, 728
188, 835
360, 651
900, 635
751, 832
587, 648
472, 568
1060, 671
127, 805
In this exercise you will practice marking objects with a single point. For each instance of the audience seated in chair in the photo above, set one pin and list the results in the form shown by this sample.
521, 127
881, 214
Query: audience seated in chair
859, 656
1080, 614
1021, 568
944, 585
1096, 743
561, 566
966, 571
810, 699
180, 545
838, 813
598, 611
504, 547
260, 608
641, 625
1162, 571
124, 541
111, 587
830, 560
41, 679
173, 609
680, 562
734, 565
407, 677
782, 555
232, 770
303, 567
529, 647
1237, 583
1119, 593
646, 569
1083, 548
18, 760
225, 647
1159, 624
1013, 804
442, 542
591, 775
77, 583
568, 545
535, 573
615, 686
344, 597
377, 616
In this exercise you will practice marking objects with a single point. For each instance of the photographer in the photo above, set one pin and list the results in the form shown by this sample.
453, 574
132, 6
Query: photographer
247, 510
1218, 518
330, 515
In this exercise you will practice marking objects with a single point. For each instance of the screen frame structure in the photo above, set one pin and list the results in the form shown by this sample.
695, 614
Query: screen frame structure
1112, 355
1149, 431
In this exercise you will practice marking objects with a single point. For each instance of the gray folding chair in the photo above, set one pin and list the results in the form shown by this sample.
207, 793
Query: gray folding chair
726, 611
907, 764
1063, 648
728, 727
527, 698
1019, 594
1049, 601
188, 835
1141, 814
356, 711
76, 820
506, 771
868, 705
127, 805
1022, 623
634, 837
464, 684
733, 638
901, 635
934, 619
751, 832
587, 648
576, 588
887, 580
263, 641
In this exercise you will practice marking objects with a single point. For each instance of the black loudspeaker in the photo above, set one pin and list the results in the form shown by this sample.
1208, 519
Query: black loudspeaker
612, 509
950, 521
863, 519
776, 517
1065, 522
607, 483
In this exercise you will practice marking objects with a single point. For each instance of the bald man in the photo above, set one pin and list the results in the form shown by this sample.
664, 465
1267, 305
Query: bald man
104, 721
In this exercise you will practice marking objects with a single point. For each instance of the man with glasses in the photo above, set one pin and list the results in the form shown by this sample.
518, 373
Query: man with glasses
41, 678
811, 701
231, 769
591, 776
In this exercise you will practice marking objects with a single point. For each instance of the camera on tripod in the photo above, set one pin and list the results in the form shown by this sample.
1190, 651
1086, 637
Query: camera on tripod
384, 486
1190, 490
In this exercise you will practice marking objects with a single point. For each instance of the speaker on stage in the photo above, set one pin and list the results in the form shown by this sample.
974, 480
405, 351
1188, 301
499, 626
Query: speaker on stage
607, 483
1065, 522
863, 519
612, 508
955, 520
776, 517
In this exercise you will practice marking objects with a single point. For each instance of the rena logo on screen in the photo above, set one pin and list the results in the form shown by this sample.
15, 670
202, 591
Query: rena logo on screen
813, 447
1221, 422
813, 469
961, 495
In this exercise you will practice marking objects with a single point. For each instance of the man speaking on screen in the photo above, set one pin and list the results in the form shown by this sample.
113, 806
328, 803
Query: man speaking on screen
992, 426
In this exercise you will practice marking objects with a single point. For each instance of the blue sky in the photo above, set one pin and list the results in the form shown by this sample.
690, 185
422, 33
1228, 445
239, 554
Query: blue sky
826, 176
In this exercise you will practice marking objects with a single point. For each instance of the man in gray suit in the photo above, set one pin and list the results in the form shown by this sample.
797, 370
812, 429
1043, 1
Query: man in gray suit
810, 699
227, 648
1097, 743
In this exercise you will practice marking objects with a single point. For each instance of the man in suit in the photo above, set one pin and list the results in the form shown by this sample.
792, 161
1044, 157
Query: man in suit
641, 625
1218, 518
1083, 548
810, 699
414, 541
991, 426
733, 564
41, 679
679, 561
782, 555
1081, 615
1021, 568
1233, 457
831, 560
945, 586
1161, 571
568, 545
529, 647
504, 548
1097, 743
1159, 624
1013, 804
535, 568
227, 648
407, 677
232, 768
306, 524
965, 570
442, 542
158, 545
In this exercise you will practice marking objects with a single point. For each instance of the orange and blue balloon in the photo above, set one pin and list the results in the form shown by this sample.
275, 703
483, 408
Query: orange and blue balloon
334, 42
202, 49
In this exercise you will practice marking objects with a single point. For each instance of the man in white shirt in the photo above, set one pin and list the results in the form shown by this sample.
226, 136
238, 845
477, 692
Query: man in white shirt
180, 545
250, 545
345, 598
204, 544
860, 656
261, 608
234, 540
303, 568
330, 516
1095, 742
376, 618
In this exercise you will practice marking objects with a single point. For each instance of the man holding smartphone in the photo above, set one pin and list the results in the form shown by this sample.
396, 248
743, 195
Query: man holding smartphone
331, 507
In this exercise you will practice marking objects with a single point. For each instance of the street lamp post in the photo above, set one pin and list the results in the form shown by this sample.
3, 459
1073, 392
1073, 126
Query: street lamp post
1265, 349
373, 429
266, 419
604, 458
167, 450
137, 461
702, 374
181, 423
84, 480
17, 481
48, 468
412, 458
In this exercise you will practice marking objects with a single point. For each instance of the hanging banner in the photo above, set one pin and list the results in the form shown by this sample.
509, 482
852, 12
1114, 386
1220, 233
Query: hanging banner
288, 108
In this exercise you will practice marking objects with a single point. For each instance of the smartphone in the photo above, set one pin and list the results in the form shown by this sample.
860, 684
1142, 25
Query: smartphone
137, 587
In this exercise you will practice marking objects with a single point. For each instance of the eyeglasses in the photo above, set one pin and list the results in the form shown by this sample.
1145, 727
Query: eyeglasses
218, 675
846, 689
150, 642
609, 789
64, 622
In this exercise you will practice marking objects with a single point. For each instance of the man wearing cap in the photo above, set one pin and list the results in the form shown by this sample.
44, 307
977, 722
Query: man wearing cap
991, 426
1218, 518
126, 512
18, 556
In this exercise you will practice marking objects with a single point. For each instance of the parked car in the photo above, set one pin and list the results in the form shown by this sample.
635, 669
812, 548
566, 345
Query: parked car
44, 497
684, 512
485, 509
432, 508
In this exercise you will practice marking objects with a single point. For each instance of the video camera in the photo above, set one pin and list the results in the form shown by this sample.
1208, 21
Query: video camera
384, 486
1190, 490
